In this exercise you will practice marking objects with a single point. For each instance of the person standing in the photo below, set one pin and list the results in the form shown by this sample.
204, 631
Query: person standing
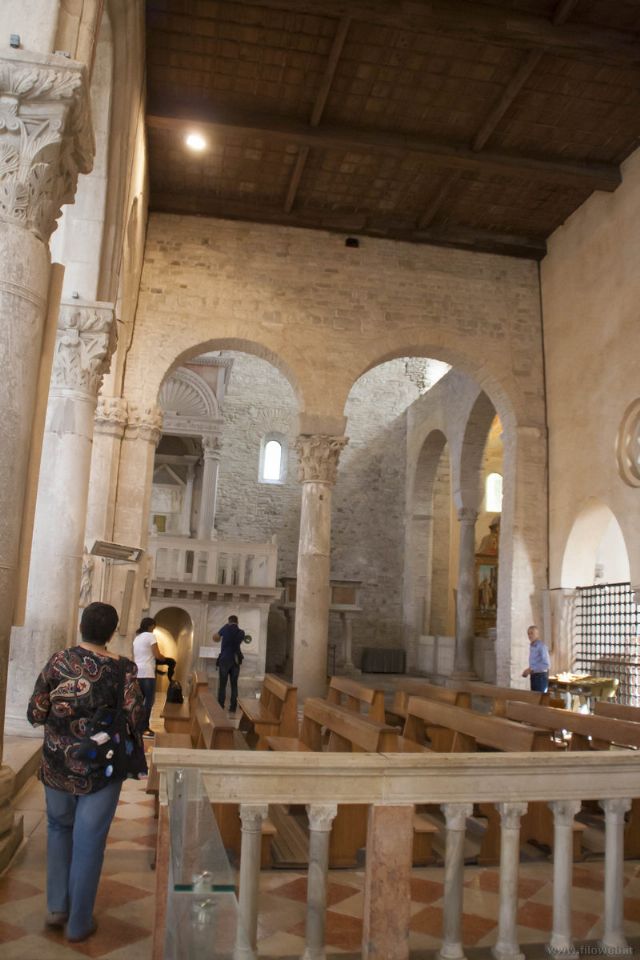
145, 653
81, 796
229, 660
539, 661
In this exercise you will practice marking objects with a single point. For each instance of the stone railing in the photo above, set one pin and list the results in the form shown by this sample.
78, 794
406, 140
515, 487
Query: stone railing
228, 562
391, 784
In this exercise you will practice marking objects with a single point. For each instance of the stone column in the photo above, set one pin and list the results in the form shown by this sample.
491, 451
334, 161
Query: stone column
84, 343
456, 818
206, 520
347, 638
614, 940
185, 518
321, 816
108, 430
387, 883
45, 141
564, 811
506, 947
465, 597
252, 817
318, 465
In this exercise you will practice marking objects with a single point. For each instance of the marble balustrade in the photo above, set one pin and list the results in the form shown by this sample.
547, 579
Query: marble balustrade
391, 784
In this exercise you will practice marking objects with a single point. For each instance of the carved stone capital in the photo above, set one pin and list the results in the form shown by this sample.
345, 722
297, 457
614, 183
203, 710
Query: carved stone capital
467, 516
318, 456
564, 811
212, 447
456, 814
252, 816
85, 340
111, 416
145, 423
614, 810
321, 816
46, 138
510, 813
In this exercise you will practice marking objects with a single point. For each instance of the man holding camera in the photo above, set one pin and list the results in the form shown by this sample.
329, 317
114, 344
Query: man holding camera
231, 637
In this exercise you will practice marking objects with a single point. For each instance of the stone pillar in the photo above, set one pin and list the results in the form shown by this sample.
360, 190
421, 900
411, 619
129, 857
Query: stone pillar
347, 639
185, 517
84, 343
318, 465
206, 520
506, 947
387, 883
321, 816
465, 597
108, 430
561, 944
252, 817
45, 141
456, 818
614, 940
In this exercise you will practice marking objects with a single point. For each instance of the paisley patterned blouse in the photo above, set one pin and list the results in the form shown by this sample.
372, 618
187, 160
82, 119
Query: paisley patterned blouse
74, 684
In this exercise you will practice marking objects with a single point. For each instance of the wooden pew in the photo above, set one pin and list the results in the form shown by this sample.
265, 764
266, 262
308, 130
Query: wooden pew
177, 716
613, 724
403, 689
352, 695
455, 729
274, 714
499, 696
351, 732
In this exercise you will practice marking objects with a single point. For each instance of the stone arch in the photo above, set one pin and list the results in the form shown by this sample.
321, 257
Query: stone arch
468, 491
176, 628
595, 534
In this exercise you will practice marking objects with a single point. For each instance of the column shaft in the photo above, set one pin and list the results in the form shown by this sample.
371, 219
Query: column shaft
455, 816
614, 938
506, 947
321, 817
387, 883
465, 603
251, 817
210, 469
563, 813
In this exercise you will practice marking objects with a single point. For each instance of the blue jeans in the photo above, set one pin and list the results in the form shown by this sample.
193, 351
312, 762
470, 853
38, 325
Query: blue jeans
148, 687
76, 837
228, 671
539, 682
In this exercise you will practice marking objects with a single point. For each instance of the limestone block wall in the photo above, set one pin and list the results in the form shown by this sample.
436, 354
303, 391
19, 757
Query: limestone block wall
590, 294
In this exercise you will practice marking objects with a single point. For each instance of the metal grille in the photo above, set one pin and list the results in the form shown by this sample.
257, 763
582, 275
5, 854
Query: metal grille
607, 637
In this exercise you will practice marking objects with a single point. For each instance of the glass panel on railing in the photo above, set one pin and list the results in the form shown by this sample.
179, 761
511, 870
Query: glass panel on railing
198, 857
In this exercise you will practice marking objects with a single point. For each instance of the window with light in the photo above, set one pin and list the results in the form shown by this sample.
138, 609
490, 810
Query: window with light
273, 459
493, 493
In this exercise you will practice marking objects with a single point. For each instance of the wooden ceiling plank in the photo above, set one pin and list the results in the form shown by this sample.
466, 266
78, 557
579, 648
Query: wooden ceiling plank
318, 107
438, 199
510, 93
467, 238
468, 20
596, 176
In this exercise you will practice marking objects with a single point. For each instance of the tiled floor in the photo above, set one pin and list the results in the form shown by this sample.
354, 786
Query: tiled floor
125, 908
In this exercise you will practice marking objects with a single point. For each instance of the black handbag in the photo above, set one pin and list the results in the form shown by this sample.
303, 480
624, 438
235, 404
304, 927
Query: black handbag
111, 744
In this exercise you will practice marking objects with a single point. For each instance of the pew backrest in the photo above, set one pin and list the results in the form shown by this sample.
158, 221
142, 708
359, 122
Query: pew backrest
473, 728
617, 711
348, 731
498, 695
354, 696
602, 730
404, 689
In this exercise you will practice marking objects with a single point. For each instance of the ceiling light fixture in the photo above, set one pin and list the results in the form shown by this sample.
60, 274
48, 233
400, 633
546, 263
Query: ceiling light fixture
195, 141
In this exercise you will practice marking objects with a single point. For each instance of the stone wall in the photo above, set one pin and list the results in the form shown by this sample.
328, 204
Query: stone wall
590, 295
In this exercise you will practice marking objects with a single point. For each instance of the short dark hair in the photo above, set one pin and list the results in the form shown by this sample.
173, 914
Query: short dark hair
146, 625
233, 618
98, 622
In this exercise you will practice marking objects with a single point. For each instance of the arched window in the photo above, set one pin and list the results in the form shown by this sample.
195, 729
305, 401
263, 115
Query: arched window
273, 460
493, 493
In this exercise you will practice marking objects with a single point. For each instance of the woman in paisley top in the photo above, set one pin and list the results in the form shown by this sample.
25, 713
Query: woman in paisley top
81, 798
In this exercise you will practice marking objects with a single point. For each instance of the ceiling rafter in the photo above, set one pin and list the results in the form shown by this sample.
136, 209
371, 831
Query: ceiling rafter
464, 19
594, 176
318, 107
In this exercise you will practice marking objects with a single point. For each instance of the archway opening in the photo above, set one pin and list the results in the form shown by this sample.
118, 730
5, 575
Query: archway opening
596, 550
174, 635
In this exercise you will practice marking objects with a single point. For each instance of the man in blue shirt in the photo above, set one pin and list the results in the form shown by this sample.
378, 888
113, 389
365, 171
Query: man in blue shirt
229, 660
538, 669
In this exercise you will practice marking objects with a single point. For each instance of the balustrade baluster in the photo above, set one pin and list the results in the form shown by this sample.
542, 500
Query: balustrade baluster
321, 817
251, 816
455, 817
242, 566
507, 947
563, 813
614, 939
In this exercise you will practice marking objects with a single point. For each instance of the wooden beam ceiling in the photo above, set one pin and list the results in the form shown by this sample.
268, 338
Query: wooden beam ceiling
591, 176
464, 19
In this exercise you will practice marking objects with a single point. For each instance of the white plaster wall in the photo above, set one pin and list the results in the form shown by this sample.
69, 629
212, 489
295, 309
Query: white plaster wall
590, 295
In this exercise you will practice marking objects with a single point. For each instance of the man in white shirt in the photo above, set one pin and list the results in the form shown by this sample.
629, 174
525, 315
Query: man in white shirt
146, 653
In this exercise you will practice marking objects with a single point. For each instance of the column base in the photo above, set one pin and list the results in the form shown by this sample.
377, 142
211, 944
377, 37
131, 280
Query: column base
452, 951
615, 946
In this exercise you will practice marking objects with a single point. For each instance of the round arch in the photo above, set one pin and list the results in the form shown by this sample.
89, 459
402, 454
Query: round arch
174, 632
595, 547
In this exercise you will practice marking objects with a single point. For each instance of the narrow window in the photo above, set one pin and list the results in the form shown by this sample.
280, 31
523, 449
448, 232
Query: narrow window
272, 463
493, 493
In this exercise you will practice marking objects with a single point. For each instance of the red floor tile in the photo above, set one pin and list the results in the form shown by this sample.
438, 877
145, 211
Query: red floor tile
9, 932
428, 921
297, 890
112, 893
588, 879
539, 916
490, 880
632, 909
11, 890
342, 932
425, 891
